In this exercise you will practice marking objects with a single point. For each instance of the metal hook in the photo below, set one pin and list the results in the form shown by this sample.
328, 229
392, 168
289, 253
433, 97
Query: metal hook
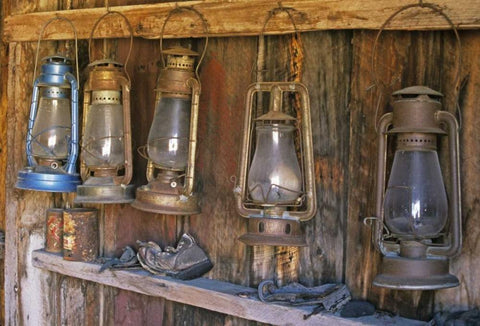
368, 221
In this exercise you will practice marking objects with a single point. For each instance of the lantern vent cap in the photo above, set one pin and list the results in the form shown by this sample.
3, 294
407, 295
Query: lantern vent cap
57, 59
180, 51
417, 91
275, 116
105, 62
180, 58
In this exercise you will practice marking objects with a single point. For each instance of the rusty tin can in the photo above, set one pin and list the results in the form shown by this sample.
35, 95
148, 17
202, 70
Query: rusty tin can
54, 236
80, 234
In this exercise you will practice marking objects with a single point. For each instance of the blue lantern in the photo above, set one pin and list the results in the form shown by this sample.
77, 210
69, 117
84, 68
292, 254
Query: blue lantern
52, 136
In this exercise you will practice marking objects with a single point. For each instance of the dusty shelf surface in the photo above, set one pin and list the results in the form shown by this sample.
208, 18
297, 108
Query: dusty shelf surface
214, 295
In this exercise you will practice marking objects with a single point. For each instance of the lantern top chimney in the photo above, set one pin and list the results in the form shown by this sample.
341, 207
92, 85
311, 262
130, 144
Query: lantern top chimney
53, 71
417, 91
105, 63
414, 111
180, 58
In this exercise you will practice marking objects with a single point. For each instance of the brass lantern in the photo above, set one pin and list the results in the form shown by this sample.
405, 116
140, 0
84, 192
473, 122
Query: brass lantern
423, 229
172, 139
106, 156
276, 186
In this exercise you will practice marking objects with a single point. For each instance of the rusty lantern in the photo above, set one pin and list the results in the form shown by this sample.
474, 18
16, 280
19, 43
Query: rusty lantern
276, 186
106, 156
416, 229
172, 139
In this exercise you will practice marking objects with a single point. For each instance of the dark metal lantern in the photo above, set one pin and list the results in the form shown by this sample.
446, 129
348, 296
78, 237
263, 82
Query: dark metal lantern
423, 229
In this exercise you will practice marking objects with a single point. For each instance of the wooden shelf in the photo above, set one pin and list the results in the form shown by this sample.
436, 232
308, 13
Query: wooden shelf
243, 17
205, 293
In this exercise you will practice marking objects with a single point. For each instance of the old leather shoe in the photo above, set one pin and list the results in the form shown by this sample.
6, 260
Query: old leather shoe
186, 261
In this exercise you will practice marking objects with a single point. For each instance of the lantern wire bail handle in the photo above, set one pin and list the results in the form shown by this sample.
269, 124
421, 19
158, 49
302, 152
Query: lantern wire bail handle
436, 9
272, 13
179, 9
42, 31
130, 30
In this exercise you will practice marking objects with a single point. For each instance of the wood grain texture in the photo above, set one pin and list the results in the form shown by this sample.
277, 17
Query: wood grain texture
337, 74
467, 295
246, 18
205, 293
25, 210
3, 152
225, 74
327, 69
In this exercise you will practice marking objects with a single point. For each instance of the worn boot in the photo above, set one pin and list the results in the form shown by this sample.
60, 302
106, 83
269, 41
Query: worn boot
186, 261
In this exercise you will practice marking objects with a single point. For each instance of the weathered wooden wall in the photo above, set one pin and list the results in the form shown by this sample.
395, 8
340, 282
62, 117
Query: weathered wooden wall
337, 73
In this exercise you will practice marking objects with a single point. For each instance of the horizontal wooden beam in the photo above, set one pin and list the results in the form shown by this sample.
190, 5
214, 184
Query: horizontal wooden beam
205, 293
244, 17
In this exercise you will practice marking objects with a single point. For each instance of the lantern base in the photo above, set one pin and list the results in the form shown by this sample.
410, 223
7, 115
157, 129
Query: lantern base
273, 232
415, 274
103, 190
170, 203
43, 178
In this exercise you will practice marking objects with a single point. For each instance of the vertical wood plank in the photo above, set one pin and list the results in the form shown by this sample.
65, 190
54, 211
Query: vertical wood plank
225, 76
327, 70
4, 58
73, 302
467, 296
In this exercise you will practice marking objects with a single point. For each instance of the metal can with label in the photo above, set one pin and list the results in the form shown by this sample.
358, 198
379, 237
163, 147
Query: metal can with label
54, 236
80, 234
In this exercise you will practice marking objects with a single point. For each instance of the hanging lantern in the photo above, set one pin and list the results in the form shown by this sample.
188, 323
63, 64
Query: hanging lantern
423, 229
276, 187
52, 135
172, 139
106, 156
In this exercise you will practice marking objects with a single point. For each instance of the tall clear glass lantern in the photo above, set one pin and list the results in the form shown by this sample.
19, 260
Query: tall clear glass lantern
106, 155
52, 135
424, 229
276, 188
171, 144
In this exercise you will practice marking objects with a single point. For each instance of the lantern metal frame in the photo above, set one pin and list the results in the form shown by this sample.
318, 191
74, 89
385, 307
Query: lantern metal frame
56, 73
165, 193
108, 75
277, 224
